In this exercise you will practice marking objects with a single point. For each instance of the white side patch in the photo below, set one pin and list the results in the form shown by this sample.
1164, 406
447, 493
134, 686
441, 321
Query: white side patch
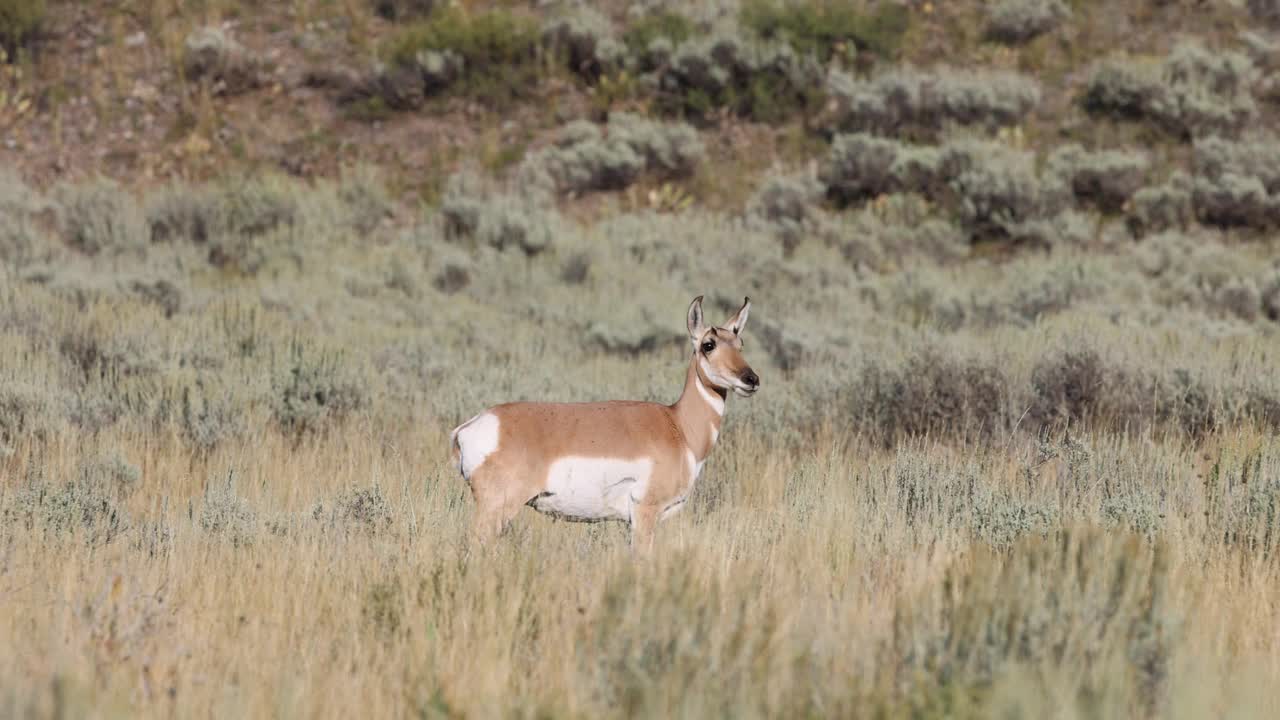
477, 440
715, 433
715, 401
593, 488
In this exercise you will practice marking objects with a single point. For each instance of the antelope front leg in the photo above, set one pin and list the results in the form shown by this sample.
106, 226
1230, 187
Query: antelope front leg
644, 518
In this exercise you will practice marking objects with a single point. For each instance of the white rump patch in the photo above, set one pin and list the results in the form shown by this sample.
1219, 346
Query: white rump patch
593, 488
477, 439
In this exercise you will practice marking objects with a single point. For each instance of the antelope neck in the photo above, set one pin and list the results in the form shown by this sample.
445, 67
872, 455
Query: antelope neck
699, 411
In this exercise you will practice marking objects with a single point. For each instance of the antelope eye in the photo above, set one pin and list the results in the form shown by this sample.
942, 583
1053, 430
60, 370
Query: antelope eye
708, 346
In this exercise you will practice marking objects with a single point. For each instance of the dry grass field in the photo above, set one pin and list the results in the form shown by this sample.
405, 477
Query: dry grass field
247, 507
1015, 307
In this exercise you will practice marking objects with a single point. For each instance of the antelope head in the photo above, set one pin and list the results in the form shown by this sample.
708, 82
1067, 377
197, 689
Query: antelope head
719, 351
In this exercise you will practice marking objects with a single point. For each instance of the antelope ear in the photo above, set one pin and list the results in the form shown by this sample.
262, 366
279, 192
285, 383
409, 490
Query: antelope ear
739, 321
696, 326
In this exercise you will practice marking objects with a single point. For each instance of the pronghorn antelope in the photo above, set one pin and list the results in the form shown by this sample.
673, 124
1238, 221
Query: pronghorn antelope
620, 460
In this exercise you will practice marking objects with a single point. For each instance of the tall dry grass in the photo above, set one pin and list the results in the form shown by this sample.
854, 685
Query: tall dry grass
1093, 576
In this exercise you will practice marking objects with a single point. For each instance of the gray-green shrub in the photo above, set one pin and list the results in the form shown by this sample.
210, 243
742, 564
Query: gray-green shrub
861, 166
87, 506
212, 56
906, 99
473, 213
99, 216
999, 195
1237, 183
1191, 93
361, 509
761, 80
313, 389
1162, 207
587, 41
1105, 179
1017, 21
788, 205
586, 158
931, 393
226, 514
992, 190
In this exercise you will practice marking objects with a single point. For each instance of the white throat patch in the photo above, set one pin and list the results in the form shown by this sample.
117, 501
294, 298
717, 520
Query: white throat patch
714, 400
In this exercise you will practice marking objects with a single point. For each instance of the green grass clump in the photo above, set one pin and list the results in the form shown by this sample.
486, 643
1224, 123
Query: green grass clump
662, 24
20, 21
498, 50
820, 27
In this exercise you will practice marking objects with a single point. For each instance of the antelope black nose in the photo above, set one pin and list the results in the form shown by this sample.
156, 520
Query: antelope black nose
749, 377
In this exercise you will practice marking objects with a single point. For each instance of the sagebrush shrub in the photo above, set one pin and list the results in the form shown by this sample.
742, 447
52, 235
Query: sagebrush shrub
999, 194
1068, 388
662, 25
992, 190
361, 509
451, 279
204, 415
1243, 500
1237, 183
861, 166
233, 218
762, 80
227, 515
908, 99
1017, 21
19, 236
364, 197
586, 158
1191, 93
587, 41
87, 506
931, 393
100, 216
1105, 179
212, 56
1077, 386
788, 205
1271, 297
27, 411
473, 213
183, 213
1162, 207
312, 390
1032, 601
